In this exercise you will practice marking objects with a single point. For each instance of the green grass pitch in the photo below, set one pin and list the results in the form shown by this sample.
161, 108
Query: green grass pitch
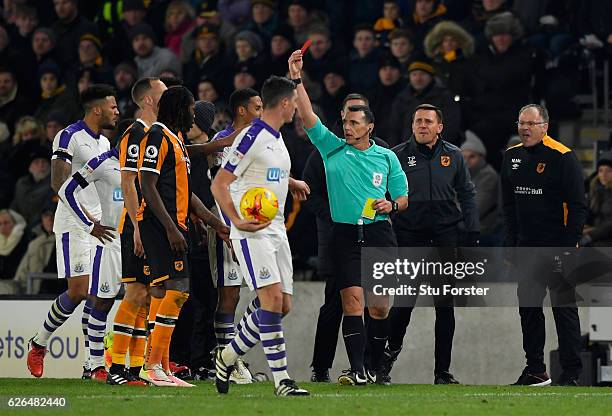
91, 398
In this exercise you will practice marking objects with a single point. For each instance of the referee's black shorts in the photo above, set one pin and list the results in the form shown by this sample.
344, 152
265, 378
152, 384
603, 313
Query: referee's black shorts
162, 260
346, 250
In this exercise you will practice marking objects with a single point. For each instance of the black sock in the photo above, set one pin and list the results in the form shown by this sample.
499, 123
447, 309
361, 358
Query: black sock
378, 331
354, 340
135, 371
116, 368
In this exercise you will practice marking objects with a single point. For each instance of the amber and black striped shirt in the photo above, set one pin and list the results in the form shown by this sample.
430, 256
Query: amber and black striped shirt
163, 153
129, 149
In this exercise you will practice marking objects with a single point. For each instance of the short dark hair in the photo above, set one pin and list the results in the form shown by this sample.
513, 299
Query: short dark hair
275, 89
95, 93
171, 81
542, 111
141, 87
174, 109
240, 98
364, 26
368, 114
355, 96
430, 107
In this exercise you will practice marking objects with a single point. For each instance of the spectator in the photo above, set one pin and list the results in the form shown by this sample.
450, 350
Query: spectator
335, 88
499, 83
391, 19
125, 76
235, 11
598, 228
120, 49
29, 136
13, 242
481, 13
44, 41
34, 189
208, 91
55, 95
450, 47
322, 53
180, 19
402, 47
426, 14
90, 57
207, 60
13, 104
69, 28
486, 181
245, 76
363, 60
26, 20
281, 47
207, 15
39, 257
264, 19
150, 59
423, 89
300, 18
248, 46
55, 122
390, 84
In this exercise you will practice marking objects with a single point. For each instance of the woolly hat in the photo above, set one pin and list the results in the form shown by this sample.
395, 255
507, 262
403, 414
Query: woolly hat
204, 115
252, 38
473, 143
605, 159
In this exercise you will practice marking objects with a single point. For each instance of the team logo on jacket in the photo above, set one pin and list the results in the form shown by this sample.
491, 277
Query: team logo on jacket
146, 270
540, 168
377, 179
445, 161
178, 266
411, 161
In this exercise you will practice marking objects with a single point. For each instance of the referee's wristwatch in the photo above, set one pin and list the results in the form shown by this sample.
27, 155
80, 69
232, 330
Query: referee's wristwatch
394, 207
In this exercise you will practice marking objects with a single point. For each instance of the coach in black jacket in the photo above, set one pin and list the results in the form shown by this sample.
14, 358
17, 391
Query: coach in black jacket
437, 177
544, 206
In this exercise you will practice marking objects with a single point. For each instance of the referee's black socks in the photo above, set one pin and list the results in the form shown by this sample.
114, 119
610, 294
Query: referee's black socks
378, 331
354, 340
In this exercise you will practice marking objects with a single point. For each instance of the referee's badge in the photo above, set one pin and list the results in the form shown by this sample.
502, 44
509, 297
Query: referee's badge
540, 168
445, 161
377, 179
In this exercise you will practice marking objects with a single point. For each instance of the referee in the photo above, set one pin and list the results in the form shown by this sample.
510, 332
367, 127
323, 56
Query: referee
359, 174
544, 206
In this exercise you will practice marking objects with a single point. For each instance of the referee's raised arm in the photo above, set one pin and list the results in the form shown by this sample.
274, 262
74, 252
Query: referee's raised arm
303, 102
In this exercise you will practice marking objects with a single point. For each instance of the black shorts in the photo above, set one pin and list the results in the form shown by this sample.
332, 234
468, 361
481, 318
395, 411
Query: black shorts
346, 250
133, 268
164, 264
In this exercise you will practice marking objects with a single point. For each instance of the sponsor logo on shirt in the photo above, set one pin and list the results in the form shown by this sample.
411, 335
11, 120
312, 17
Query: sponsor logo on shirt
526, 190
235, 158
276, 174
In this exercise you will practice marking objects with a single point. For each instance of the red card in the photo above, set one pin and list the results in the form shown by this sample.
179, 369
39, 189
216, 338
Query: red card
305, 46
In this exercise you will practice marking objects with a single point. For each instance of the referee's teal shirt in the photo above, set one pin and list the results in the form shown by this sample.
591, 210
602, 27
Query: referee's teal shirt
355, 175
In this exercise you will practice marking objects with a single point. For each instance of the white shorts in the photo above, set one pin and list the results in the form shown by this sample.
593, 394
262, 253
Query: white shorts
73, 253
105, 279
223, 269
264, 260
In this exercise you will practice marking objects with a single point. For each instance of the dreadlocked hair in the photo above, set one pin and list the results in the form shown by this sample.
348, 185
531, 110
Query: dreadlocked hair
174, 108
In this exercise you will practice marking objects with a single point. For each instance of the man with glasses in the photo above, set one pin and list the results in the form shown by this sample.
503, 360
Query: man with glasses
438, 176
544, 206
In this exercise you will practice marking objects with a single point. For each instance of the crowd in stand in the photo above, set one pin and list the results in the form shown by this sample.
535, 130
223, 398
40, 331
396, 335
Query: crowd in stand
478, 60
